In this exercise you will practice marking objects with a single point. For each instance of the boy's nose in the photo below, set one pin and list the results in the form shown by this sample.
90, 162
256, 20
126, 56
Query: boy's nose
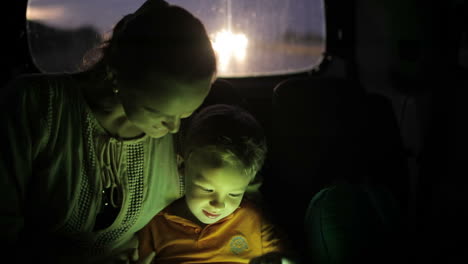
218, 204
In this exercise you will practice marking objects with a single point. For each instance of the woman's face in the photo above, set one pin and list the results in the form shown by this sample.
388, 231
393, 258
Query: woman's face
158, 108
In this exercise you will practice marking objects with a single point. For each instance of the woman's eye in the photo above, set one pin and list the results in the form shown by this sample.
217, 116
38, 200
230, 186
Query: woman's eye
154, 114
206, 189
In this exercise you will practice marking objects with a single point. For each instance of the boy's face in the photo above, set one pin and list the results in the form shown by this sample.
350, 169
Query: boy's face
213, 193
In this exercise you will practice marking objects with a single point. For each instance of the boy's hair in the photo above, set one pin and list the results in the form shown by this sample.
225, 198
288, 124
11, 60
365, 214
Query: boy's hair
229, 135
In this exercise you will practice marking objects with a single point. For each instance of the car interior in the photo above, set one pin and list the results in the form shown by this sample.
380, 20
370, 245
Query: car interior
362, 104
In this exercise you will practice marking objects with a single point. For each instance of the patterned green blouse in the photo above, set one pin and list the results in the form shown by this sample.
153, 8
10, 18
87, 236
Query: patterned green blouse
55, 162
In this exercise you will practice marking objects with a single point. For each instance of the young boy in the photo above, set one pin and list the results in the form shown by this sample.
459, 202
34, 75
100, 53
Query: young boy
222, 150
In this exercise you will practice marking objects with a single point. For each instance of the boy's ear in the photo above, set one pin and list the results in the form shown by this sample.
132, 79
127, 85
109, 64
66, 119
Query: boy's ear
253, 189
255, 184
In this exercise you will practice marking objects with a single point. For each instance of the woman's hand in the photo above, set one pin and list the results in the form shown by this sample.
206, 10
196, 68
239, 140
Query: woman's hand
128, 257
149, 259
130, 254
269, 258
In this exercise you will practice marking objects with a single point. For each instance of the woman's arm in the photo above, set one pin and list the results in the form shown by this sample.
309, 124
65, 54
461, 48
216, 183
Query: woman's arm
23, 112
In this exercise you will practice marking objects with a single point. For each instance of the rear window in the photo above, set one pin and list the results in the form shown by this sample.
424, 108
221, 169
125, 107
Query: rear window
250, 37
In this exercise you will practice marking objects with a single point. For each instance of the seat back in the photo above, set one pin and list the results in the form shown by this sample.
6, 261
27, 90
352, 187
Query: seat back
353, 223
327, 130
223, 92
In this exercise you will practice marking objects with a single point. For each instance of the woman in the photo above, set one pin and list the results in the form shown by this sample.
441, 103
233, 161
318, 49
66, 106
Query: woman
87, 159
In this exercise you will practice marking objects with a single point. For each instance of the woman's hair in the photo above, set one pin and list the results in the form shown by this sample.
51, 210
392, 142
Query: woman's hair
159, 38
229, 135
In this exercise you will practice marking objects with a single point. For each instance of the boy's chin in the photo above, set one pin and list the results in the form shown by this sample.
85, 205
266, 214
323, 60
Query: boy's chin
208, 221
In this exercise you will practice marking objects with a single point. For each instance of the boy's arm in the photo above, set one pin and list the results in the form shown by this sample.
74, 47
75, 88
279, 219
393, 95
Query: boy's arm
272, 246
276, 247
272, 240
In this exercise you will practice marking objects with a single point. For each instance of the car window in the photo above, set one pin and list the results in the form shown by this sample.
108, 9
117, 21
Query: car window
250, 37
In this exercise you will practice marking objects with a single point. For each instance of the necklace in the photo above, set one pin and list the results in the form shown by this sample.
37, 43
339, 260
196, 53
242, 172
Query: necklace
111, 161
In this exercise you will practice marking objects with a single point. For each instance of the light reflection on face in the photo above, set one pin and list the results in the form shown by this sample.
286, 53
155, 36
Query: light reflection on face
159, 110
213, 193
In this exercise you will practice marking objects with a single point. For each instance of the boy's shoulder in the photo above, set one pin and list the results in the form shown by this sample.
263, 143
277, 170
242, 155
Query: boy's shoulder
248, 203
172, 212
251, 208
169, 209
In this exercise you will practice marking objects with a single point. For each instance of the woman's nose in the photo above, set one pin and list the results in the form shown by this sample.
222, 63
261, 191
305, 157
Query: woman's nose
172, 125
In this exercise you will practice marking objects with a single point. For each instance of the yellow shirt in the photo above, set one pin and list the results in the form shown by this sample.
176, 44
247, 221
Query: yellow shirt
237, 238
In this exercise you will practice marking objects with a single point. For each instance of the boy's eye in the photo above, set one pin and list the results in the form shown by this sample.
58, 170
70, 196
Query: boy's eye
235, 194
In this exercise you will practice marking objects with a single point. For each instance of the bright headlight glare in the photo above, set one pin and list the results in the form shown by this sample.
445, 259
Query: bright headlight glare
229, 46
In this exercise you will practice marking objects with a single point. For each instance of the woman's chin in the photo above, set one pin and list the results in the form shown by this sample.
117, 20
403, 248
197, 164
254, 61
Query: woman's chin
157, 133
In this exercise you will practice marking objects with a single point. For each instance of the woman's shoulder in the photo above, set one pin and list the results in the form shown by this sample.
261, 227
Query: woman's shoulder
24, 82
37, 84
38, 79
26, 90
37, 94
